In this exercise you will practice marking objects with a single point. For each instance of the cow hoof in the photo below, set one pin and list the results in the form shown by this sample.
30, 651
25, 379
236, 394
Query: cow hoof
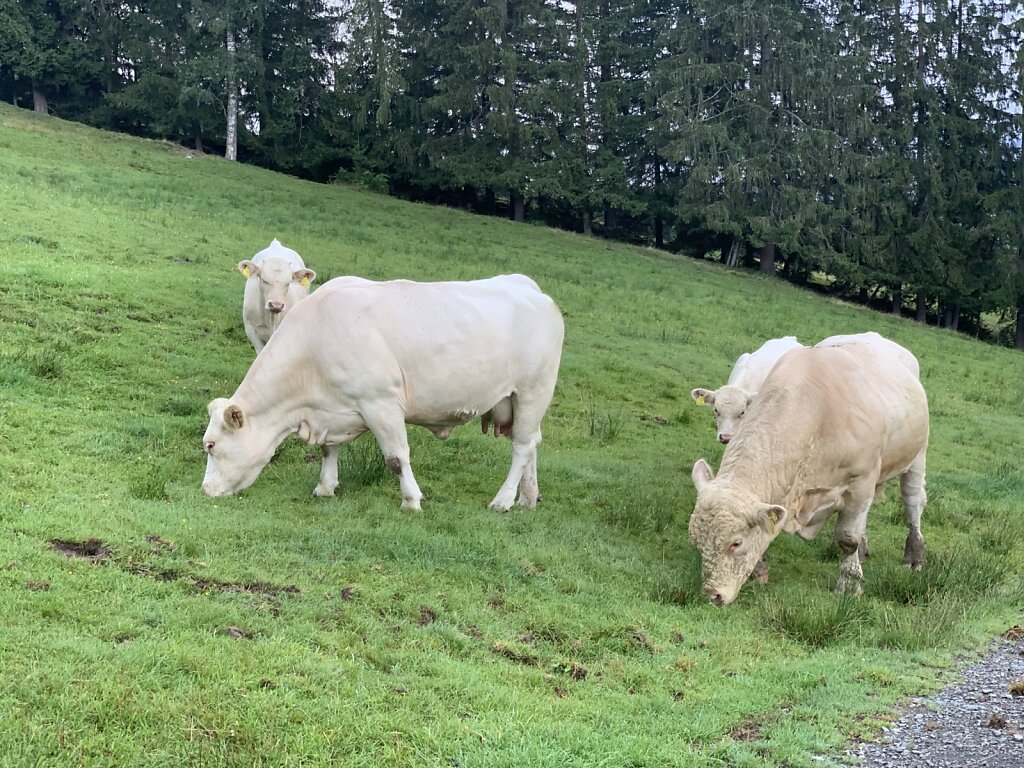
323, 493
853, 588
413, 504
499, 506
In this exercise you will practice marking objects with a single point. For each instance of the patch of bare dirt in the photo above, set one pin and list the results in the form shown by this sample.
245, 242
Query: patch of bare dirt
91, 550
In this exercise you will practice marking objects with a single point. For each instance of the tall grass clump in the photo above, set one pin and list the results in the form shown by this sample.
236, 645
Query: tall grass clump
815, 617
964, 572
361, 463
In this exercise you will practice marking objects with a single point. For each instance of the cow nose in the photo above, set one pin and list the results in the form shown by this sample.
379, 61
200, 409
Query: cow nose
717, 599
275, 306
724, 438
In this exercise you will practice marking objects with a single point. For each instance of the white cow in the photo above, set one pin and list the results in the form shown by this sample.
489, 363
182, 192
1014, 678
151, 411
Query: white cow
276, 280
828, 427
731, 400
360, 355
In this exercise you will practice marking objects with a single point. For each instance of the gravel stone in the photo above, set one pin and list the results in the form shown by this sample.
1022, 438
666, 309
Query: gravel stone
972, 723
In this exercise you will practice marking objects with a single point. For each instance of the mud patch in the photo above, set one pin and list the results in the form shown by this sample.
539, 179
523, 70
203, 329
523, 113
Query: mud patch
206, 585
160, 543
514, 654
91, 550
748, 730
1016, 632
427, 616
237, 633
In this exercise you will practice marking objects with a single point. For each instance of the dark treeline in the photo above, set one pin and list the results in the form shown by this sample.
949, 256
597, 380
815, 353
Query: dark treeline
871, 149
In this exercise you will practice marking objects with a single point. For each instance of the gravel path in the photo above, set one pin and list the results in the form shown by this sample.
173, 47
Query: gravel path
976, 722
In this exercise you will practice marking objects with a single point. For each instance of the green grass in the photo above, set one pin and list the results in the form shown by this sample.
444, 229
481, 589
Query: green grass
277, 629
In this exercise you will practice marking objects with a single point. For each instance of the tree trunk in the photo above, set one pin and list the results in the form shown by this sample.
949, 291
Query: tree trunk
922, 307
490, 202
737, 252
951, 317
768, 259
611, 219
659, 222
198, 137
588, 228
1019, 338
897, 300
231, 148
39, 103
518, 207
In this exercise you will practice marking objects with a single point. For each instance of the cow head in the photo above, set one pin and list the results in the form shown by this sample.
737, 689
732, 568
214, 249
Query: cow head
280, 285
236, 449
731, 529
730, 404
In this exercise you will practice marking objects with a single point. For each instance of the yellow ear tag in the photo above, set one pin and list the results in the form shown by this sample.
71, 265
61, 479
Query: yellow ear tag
304, 281
246, 272
700, 399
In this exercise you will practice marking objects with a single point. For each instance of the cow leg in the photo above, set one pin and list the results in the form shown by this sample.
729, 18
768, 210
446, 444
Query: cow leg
850, 529
388, 426
914, 499
529, 491
760, 572
523, 452
328, 472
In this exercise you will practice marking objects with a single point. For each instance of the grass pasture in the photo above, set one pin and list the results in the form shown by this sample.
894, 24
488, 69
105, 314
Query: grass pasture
142, 623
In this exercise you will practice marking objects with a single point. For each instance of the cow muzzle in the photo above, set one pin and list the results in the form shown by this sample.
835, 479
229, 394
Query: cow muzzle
275, 306
724, 438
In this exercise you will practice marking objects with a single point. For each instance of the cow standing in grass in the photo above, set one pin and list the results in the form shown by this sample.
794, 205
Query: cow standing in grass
730, 401
829, 426
359, 355
276, 280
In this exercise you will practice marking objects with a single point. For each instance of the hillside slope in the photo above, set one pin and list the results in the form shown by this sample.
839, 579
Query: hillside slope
275, 629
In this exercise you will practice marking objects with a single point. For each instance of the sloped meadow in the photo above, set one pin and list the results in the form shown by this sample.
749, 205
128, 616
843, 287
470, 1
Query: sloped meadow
142, 623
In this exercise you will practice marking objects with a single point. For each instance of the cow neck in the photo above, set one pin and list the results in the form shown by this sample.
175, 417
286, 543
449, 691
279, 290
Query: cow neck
271, 391
766, 457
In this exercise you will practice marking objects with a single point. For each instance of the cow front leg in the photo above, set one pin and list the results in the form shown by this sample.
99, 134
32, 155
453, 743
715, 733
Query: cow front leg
328, 472
914, 499
388, 426
850, 530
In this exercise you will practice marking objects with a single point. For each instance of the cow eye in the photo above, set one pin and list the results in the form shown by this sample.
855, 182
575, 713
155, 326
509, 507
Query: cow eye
735, 545
208, 447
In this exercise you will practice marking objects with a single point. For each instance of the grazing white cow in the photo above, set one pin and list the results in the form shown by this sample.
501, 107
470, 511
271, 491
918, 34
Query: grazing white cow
360, 355
276, 280
731, 400
829, 426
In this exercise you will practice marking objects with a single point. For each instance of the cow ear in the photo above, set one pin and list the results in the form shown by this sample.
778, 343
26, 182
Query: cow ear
702, 474
771, 517
248, 268
233, 418
304, 276
702, 396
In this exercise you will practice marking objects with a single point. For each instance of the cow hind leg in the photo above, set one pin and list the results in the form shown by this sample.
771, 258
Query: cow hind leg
522, 475
529, 491
388, 425
328, 472
914, 499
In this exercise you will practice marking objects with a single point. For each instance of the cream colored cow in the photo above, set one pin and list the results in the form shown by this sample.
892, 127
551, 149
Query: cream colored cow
276, 280
829, 425
730, 401
360, 355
